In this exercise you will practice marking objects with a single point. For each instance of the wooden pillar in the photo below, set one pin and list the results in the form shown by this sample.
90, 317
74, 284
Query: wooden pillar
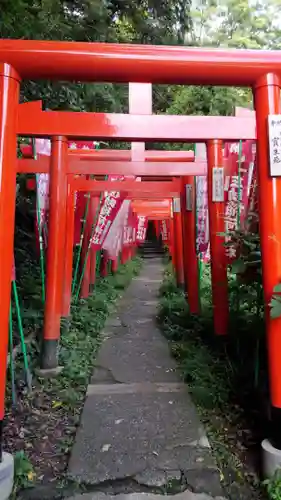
190, 261
9, 100
68, 255
55, 255
85, 252
267, 102
216, 224
178, 242
94, 205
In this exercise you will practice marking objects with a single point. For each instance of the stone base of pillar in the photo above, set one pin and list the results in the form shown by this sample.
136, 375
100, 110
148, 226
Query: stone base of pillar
6, 476
271, 459
48, 372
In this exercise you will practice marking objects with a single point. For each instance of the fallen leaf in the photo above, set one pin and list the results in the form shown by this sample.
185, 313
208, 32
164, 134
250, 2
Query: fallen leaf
56, 404
31, 475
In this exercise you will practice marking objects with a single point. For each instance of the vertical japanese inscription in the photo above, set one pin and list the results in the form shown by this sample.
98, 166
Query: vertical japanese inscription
189, 197
274, 137
218, 184
176, 205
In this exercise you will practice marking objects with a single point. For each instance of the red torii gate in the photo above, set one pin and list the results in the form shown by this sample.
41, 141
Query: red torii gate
229, 129
122, 63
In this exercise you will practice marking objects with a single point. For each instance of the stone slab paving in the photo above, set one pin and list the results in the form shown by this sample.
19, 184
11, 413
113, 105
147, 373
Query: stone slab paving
186, 495
138, 423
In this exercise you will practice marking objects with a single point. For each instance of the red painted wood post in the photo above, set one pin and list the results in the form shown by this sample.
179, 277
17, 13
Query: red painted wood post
267, 101
123, 256
157, 229
93, 259
216, 224
172, 241
190, 262
94, 205
104, 264
9, 100
55, 255
178, 242
85, 254
114, 266
68, 256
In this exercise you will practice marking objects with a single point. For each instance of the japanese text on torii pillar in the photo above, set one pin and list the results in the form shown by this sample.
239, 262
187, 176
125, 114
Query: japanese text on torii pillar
274, 135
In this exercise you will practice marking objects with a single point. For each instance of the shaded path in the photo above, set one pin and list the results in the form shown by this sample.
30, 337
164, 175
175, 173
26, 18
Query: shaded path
139, 431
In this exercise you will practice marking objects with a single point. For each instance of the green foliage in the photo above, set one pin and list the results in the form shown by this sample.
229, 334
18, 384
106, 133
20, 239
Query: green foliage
62, 397
247, 245
273, 486
206, 378
194, 100
24, 475
227, 23
221, 373
236, 23
248, 270
275, 302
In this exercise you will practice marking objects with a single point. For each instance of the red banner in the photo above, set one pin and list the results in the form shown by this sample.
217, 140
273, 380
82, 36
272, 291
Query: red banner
83, 144
201, 197
108, 211
42, 147
114, 240
202, 233
129, 231
115, 237
237, 189
252, 213
141, 228
165, 230
80, 206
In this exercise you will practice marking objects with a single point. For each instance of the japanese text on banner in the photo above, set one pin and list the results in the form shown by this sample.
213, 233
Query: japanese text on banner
165, 230
238, 182
142, 223
109, 208
202, 237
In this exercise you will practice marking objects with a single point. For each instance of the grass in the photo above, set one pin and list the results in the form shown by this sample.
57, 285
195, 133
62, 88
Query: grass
213, 369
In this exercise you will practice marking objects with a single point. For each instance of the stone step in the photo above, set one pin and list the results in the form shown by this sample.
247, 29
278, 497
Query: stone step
185, 495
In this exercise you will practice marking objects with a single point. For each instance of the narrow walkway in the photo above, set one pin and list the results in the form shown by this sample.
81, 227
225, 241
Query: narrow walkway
139, 433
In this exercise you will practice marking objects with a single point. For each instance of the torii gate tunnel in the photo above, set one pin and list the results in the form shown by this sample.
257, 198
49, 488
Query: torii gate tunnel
261, 70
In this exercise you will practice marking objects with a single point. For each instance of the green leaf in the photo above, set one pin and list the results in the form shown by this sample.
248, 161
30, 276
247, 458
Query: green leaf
238, 267
275, 312
275, 304
277, 288
275, 301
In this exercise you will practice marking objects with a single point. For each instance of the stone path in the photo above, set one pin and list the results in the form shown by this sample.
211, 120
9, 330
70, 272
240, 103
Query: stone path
139, 435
